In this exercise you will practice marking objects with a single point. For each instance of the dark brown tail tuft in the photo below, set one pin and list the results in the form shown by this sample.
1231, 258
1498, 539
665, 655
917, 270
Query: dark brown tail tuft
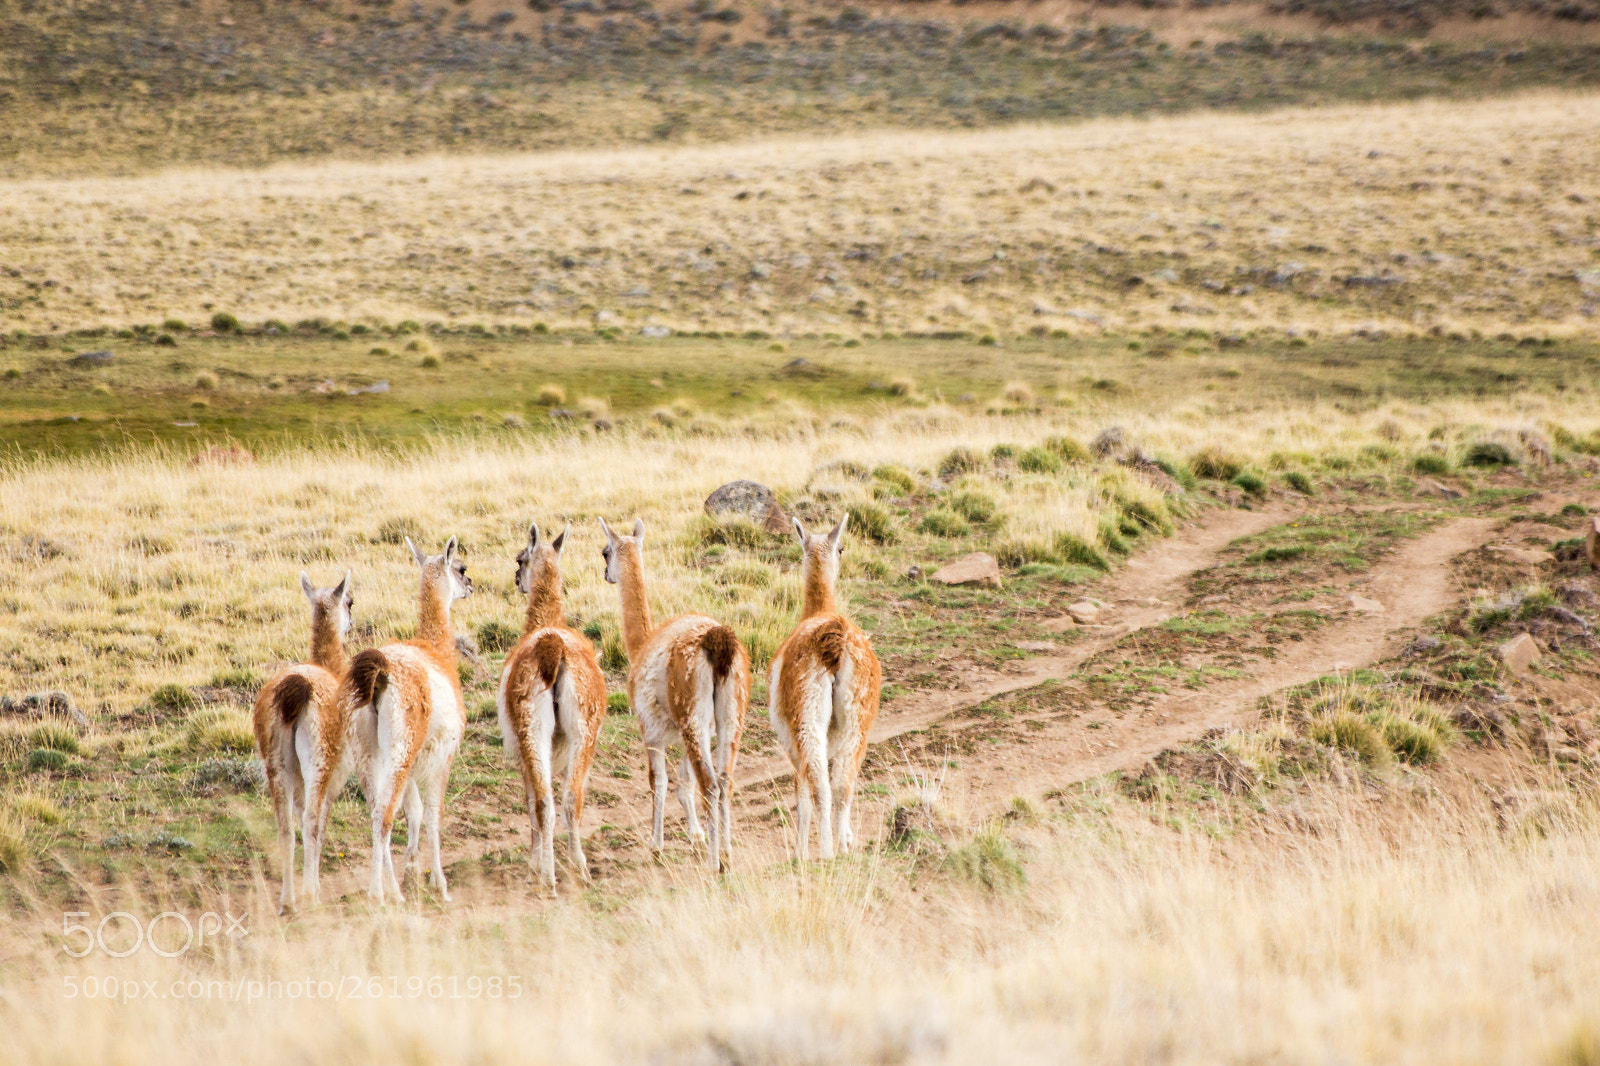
291, 697
369, 676
548, 653
830, 644
720, 646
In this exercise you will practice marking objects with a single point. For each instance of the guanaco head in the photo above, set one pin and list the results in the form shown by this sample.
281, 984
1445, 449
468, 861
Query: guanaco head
445, 571
819, 552
333, 604
616, 545
538, 563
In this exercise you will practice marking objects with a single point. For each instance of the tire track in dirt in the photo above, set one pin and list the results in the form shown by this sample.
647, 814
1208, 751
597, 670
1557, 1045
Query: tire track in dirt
1413, 583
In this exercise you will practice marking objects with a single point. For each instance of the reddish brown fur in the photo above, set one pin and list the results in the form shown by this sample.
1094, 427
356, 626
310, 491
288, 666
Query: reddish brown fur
369, 675
720, 646
291, 696
548, 651
1591, 542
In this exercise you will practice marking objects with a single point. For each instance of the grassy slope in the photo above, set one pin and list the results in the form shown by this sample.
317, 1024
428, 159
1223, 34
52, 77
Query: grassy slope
94, 88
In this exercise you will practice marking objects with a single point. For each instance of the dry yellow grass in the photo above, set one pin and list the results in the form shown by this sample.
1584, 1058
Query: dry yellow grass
1432, 936
1457, 215
128, 573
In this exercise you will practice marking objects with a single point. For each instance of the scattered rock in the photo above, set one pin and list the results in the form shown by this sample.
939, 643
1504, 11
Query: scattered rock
1434, 488
748, 499
1420, 645
1058, 625
100, 358
1365, 605
655, 331
979, 568
801, 368
1042, 647
52, 704
1084, 613
1215, 597
915, 573
1518, 653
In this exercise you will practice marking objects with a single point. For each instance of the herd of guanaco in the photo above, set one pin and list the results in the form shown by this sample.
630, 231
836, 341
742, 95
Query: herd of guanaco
393, 715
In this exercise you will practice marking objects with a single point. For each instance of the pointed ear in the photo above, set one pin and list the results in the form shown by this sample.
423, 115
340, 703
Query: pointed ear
610, 536
799, 530
341, 587
638, 529
533, 534
422, 560
450, 547
306, 586
559, 542
838, 532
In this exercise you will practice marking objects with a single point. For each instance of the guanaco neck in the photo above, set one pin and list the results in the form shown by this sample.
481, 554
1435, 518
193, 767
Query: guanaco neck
636, 621
433, 619
327, 647
544, 601
818, 590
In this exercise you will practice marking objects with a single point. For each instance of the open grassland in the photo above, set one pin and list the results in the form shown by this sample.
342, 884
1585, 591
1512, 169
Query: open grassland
281, 393
1414, 217
133, 571
1423, 934
1392, 865
91, 88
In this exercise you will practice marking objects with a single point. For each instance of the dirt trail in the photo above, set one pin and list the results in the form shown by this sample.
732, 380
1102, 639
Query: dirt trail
1412, 584
1064, 747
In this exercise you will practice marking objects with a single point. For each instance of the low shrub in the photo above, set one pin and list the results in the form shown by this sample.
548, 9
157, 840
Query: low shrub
1213, 464
1488, 453
1039, 461
962, 461
942, 522
872, 522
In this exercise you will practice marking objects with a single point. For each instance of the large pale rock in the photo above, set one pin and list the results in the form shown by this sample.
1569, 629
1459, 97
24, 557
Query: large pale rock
1518, 653
748, 499
1433, 488
1365, 605
1084, 613
979, 568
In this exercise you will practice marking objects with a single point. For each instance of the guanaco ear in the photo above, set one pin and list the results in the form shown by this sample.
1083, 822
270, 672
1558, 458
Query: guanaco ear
561, 539
610, 536
838, 532
450, 547
799, 531
339, 589
306, 586
638, 530
422, 560
533, 534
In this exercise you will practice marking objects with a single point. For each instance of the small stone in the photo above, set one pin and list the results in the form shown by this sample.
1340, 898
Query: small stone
1434, 488
1083, 612
1365, 605
100, 358
914, 573
979, 568
1215, 597
1042, 647
751, 500
1518, 653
